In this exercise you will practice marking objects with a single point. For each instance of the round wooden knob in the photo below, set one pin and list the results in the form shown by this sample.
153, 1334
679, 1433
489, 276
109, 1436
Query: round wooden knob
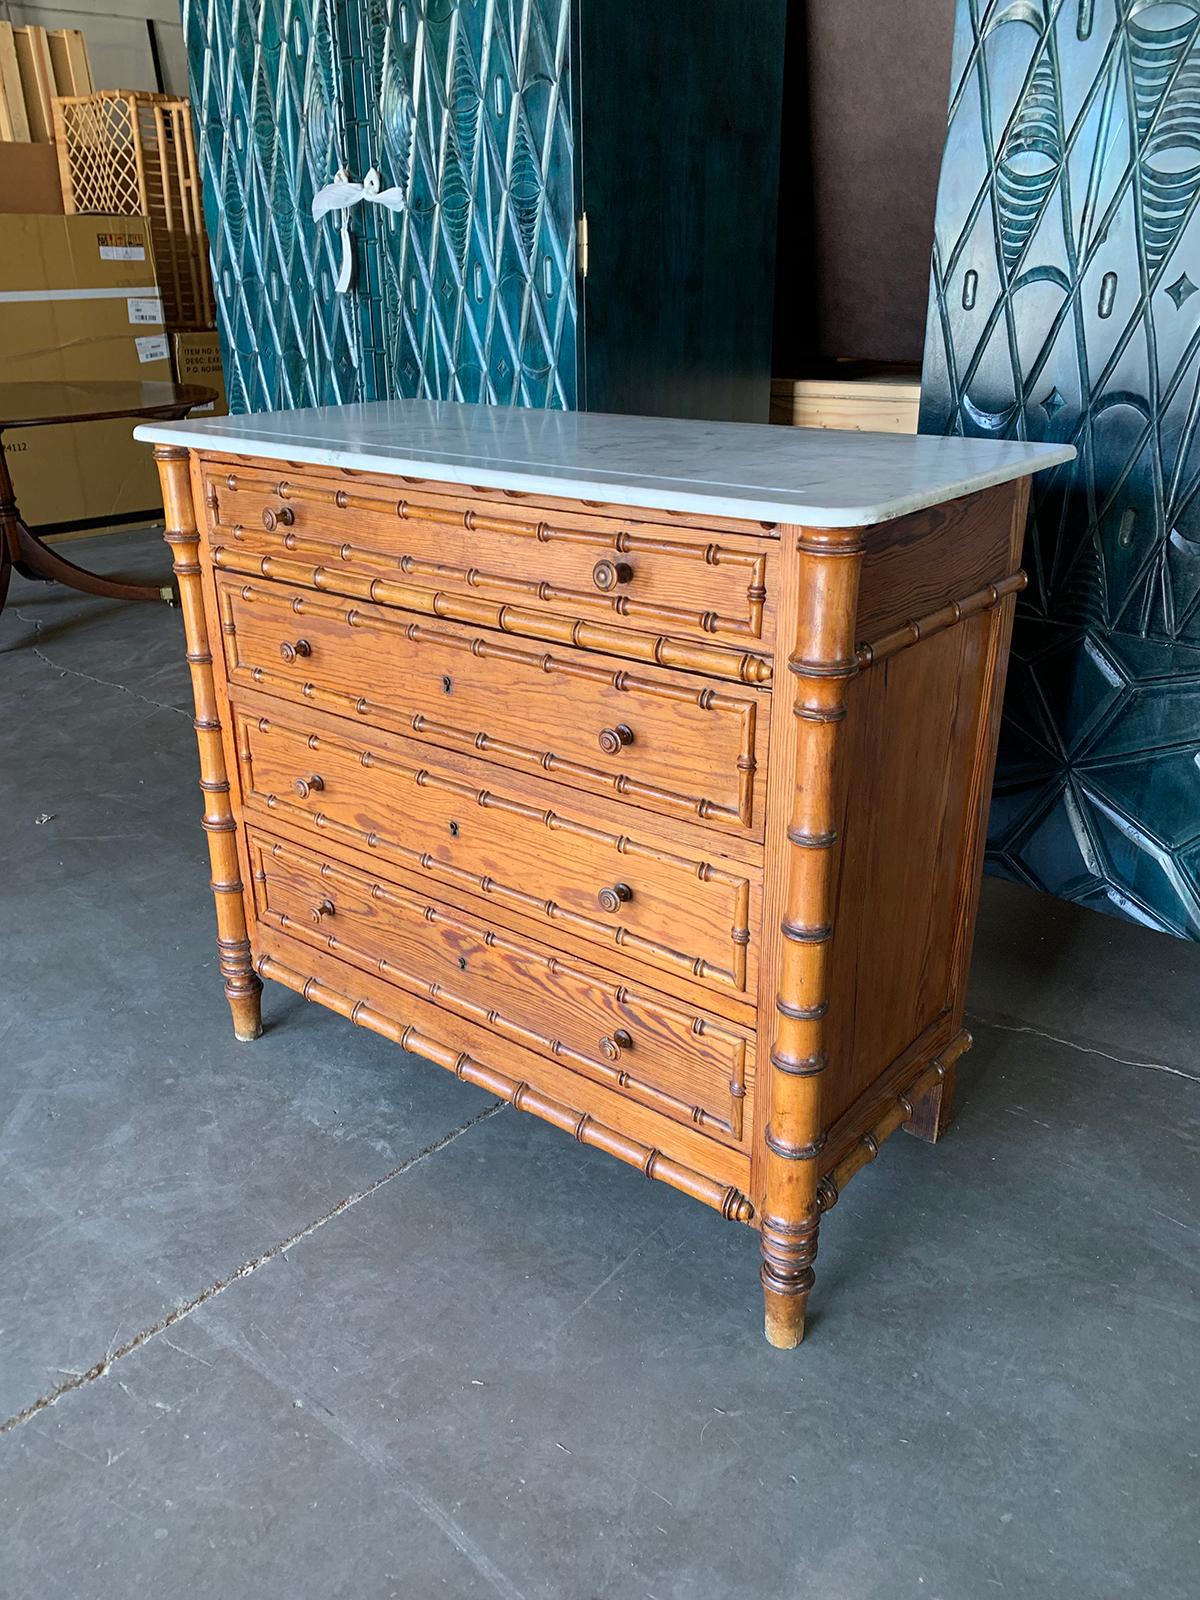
289, 650
306, 786
323, 908
283, 518
608, 575
614, 896
612, 1044
613, 740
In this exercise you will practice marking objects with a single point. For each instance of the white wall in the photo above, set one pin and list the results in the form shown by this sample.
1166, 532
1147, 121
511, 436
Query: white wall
117, 38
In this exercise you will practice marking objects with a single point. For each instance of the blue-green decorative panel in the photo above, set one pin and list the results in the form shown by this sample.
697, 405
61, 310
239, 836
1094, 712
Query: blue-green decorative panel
464, 106
1064, 305
265, 84
471, 289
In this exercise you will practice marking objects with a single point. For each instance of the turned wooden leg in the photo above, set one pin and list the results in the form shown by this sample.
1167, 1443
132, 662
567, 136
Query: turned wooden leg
243, 986
789, 1250
822, 663
243, 990
933, 1111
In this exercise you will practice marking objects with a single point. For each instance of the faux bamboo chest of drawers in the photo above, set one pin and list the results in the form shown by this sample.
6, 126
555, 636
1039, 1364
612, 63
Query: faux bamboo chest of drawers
635, 771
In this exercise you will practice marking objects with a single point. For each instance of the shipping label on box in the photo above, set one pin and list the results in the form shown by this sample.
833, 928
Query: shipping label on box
143, 309
153, 347
124, 246
198, 360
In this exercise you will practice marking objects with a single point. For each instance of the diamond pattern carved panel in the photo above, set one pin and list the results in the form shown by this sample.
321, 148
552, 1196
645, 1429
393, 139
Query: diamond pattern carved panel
468, 292
266, 80
1063, 306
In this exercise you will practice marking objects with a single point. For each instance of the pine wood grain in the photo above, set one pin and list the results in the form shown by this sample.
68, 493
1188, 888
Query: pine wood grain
635, 575
730, 950
690, 1066
661, 740
685, 915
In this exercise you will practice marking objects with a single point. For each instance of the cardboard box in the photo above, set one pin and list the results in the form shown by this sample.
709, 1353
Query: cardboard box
78, 301
29, 179
198, 360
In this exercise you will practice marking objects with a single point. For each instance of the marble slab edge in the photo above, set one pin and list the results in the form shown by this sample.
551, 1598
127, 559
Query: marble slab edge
665, 493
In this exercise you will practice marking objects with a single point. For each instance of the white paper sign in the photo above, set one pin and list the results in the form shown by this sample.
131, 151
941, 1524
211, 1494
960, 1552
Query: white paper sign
152, 347
122, 252
146, 308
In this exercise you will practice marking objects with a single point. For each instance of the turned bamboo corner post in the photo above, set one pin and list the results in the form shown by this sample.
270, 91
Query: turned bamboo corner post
243, 986
826, 571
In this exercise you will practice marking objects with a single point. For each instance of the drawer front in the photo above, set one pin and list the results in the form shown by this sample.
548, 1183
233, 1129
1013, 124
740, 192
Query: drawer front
662, 740
679, 913
677, 1061
632, 574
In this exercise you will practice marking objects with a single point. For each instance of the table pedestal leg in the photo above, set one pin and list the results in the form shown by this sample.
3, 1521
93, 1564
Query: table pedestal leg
33, 559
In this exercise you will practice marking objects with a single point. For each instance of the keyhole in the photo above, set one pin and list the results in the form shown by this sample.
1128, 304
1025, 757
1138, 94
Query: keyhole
462, 963
454, 830
447, 684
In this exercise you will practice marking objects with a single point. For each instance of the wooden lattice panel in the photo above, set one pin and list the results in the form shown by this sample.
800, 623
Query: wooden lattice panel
123, 153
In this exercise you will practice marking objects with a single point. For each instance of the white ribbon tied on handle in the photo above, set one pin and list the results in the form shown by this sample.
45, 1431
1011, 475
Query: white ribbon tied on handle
343, 194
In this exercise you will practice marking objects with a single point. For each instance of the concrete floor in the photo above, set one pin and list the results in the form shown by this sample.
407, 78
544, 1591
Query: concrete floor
310, 1318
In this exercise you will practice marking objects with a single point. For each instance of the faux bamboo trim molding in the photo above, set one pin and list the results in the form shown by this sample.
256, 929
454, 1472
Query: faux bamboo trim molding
742, 712
455, 868
947, 616
243, 987
624, 1078
686, 656
902, 1108
821, 665
730, 1202
417, 853
231, 461
330, 550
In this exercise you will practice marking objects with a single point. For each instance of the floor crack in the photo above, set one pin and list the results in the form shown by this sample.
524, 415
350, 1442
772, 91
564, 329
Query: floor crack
74, 672
1086, 1049
108, 1361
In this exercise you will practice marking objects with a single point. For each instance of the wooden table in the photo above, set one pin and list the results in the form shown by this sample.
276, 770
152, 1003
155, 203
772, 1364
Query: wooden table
35, 405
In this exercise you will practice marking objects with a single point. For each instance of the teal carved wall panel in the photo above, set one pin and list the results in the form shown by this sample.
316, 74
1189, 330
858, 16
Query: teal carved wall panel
468, 291
265, 84
1065, 306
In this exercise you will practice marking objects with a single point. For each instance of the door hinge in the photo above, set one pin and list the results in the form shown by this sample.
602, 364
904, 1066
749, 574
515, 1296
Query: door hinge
581, 244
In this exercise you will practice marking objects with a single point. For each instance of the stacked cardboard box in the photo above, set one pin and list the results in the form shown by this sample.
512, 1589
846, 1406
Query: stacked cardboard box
79, 301
197, 359
29, 179
80, 297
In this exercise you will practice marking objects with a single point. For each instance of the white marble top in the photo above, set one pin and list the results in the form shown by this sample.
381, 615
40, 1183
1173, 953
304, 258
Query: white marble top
731, 469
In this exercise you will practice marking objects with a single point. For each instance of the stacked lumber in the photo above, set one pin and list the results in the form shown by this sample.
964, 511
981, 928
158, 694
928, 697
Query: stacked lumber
35, 65
870, 402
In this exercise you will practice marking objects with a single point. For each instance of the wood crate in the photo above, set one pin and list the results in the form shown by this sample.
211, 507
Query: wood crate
866, 405
35, 65
125, 153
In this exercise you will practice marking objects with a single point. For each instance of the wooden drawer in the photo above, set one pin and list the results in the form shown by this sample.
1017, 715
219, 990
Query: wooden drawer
688, 1066
662, 740
625, 572
677, 912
